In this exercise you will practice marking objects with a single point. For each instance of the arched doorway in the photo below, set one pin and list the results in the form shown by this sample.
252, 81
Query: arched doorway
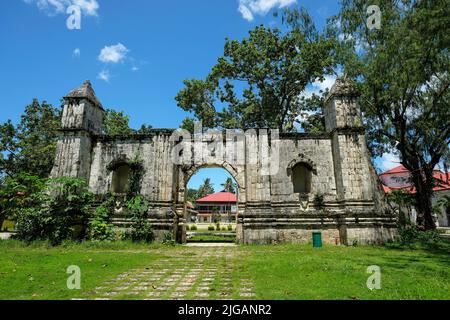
226, 213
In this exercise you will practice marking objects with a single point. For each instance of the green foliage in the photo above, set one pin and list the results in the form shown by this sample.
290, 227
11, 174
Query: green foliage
20, 192
311, 118
141, 229
168, 239
411, 234
205, 189
230, 227
52, 212
100, 227
116, 123
211, 228
442, 204
194, 227
144, 129
188, 124
258, 81
403, 201
229, 186
319, 200
137, 173
192, 195
402, 71
30, 146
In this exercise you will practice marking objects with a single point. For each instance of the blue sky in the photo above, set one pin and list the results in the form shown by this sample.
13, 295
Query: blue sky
217, 176
136, 53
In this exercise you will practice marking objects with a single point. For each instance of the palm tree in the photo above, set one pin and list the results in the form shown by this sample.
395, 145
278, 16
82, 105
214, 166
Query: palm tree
205, 189
229, 186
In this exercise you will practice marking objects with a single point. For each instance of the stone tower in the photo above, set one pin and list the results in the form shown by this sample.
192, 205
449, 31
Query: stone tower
355, 189
81, 119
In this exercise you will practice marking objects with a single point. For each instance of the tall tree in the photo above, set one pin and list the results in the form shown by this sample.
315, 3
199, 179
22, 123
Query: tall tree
403, 74
205, 189
116, 123
30, 145
144, 129
192, 195
258, 81
229, 185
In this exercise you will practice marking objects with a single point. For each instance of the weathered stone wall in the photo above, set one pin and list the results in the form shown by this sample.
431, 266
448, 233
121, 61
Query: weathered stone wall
269, 211
81, 114
152, 151
300, 148
73, 155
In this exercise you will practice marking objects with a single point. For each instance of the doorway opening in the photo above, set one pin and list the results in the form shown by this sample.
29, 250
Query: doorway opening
211, 206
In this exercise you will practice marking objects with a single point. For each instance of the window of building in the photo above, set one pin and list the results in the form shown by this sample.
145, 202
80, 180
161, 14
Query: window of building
121, 179
301, 178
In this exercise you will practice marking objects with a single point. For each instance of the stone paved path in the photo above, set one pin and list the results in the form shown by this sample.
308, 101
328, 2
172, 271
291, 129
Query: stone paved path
211, 273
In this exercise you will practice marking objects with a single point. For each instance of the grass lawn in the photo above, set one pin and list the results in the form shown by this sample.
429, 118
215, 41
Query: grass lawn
276, 272
39, 272
301, 272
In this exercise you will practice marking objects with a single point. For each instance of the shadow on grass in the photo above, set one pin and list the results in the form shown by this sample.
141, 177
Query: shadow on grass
433, 250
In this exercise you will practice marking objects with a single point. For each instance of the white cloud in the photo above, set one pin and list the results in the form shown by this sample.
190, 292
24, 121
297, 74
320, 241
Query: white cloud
113, 54
54, 7
89, 7
248, 8
246, 13
104, 75
318, 86
389, 161
76, 53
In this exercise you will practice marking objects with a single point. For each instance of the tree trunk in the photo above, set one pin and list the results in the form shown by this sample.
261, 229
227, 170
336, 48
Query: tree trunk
423, 182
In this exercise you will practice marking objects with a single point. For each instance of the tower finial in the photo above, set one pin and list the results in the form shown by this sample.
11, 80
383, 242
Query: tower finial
85, 91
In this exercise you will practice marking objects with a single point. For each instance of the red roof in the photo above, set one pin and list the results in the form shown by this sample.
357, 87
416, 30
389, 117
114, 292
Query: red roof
219, 197
442, 180
399, 169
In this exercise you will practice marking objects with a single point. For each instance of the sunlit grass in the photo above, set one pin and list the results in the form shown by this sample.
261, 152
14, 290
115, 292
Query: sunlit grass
38, 271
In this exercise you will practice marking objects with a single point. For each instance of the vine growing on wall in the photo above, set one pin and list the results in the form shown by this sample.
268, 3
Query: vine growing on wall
137, 173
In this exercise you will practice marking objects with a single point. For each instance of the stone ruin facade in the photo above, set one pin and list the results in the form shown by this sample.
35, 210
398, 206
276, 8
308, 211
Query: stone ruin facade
275, 208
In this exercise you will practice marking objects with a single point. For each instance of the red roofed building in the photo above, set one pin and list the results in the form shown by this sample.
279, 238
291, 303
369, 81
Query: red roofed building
398, 178
217, 207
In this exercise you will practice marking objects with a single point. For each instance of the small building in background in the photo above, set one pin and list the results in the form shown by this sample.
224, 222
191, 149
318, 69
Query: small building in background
217, 207
190, 212
399, 178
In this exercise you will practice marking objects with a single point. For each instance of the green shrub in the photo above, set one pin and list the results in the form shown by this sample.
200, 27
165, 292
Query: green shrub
51, 212
141, 229
187, 227
319, 200
211, 228
224, 228
218, 226
100, 228
194, 227
411, 234
230, 227
168, 239
120, 234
